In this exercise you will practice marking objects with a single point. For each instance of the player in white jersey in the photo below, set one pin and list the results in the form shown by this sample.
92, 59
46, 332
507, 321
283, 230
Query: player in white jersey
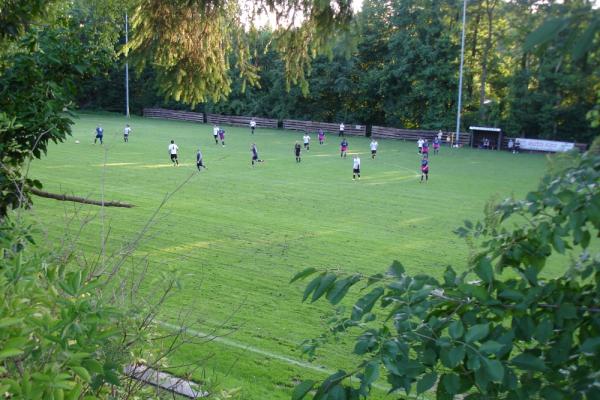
356, 168
374, 146
216, 134
173, 151
342, 128
306, 140
126, 133
252, 125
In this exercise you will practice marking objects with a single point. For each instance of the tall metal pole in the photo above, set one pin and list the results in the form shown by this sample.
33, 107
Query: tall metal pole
460, 74
126, 70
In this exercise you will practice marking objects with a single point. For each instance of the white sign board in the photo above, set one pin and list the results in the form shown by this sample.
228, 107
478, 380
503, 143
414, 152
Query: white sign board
544, 145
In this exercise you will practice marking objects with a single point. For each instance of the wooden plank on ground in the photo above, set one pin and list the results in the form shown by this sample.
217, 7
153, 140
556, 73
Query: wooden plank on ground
165, 381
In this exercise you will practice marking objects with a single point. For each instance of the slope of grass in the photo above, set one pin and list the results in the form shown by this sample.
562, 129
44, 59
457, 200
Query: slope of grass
237, 234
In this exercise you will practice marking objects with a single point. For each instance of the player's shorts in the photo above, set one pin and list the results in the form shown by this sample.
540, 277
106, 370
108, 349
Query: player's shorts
297, 153
425, 170
99, 136
305, 144
199, 164
425, 150
373, 151
254, 158
344, 148
173, 156
356, 170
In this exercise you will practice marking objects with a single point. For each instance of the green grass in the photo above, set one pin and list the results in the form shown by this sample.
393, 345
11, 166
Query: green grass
238, 234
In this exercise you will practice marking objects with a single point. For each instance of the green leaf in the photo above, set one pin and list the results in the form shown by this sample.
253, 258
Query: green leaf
584, 42
494, 369
5, 322
396, 269
544, 33
303, 274
456, 355
456, 329
311, 287
340, 289
82, 373
371, 373
451, 383
567, 311
426, 382
491, 347
529, 362
324, 285
7, 353
302, 389
590, 345
366, 303
477, 332
484, 270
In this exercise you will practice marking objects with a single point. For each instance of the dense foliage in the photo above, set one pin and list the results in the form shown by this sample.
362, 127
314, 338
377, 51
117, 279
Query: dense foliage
500, 329
67, 328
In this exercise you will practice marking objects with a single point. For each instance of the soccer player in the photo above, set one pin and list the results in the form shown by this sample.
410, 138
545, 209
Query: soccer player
306, 139
439, 136
126, 133
173, 150
342, 128
420, 144
425, 149
297, 150
99, 134
436, 144
252, 125
222, 136
374, 146
321, 136
424, 169
356, 167
254, 151
343, 148
216, 134
199, 160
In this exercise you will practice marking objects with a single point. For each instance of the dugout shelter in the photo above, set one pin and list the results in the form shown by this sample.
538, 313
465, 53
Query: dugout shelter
479, 135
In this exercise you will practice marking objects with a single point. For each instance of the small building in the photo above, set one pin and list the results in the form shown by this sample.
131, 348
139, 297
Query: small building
484, 137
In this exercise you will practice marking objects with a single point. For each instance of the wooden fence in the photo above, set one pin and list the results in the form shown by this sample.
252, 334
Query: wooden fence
173, 114
240, 121
414, 135
312, 126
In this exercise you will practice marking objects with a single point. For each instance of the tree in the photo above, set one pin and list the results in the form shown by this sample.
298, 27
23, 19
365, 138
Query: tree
502, 328
190, 42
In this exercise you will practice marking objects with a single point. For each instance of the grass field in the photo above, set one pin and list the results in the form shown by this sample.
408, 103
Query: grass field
238, 234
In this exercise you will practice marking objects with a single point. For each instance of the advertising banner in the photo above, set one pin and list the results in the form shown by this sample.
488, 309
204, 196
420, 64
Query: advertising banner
544, 145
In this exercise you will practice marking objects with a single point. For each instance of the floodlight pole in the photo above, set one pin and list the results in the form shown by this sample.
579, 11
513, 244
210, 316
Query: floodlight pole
460, 73
126, 69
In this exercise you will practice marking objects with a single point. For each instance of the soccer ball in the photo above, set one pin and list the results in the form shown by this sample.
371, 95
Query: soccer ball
77, 141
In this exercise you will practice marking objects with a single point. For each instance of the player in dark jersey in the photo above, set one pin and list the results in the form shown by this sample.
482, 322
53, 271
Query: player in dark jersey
222, 136
424, 169
254, 151
297, 150
436, 145
343, 148
199, 161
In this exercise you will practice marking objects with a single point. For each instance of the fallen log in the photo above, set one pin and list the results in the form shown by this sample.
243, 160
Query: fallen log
76, 199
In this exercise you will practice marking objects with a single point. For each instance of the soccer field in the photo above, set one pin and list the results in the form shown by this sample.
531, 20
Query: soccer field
237, 234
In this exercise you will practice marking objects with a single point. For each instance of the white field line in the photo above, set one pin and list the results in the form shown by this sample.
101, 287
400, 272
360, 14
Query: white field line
232, 343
